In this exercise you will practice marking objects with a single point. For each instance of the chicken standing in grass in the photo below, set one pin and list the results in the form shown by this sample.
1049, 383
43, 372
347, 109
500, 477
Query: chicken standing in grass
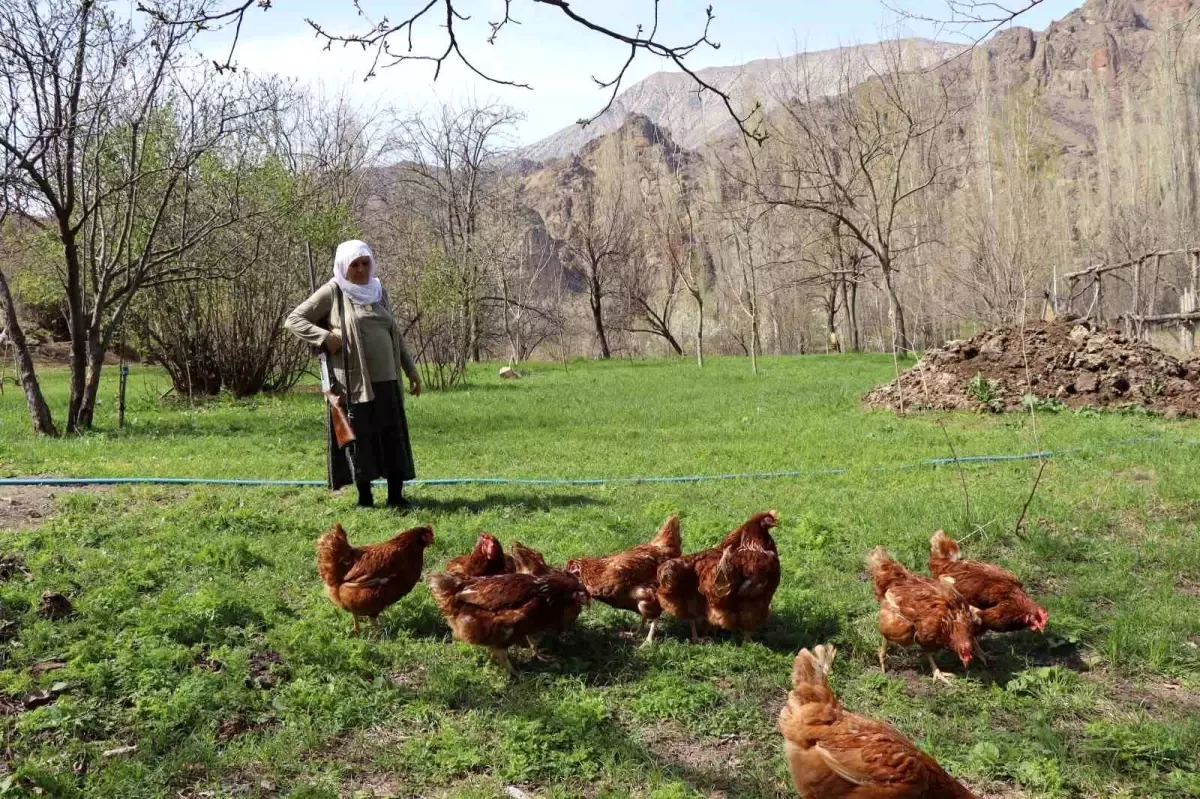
487, 559
629, 580
365, 580
530, 561
835, 754
740, 589
918, 610
501, 611
730, 585
997, 595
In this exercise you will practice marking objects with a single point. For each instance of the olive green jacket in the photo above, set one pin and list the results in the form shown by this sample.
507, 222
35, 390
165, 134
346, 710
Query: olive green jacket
322, 309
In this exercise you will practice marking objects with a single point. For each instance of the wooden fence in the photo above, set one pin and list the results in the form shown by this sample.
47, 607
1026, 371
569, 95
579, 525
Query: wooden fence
1152, 295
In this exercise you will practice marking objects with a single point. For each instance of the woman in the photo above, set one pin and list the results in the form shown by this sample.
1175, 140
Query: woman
349, 318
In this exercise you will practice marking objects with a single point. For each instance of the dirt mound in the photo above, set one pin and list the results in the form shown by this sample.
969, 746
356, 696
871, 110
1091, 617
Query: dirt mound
1055, 362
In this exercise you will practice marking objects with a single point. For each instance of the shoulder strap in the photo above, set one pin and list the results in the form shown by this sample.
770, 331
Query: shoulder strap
345, 323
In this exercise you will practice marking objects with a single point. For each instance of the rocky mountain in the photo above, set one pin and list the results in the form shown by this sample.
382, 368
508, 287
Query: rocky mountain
1093, 61
1090, 63
670, 100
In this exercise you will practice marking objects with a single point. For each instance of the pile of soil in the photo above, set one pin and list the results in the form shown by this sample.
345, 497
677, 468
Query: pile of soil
1076, 364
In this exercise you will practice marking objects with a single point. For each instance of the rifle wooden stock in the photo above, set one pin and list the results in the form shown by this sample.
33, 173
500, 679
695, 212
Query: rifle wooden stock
343, 432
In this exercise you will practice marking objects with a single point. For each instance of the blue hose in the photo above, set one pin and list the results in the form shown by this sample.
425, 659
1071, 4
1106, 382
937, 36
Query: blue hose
599, 481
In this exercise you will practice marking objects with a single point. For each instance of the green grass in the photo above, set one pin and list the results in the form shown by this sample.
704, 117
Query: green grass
202, 636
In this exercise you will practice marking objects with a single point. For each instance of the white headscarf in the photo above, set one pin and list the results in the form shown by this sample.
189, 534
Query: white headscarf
347, 253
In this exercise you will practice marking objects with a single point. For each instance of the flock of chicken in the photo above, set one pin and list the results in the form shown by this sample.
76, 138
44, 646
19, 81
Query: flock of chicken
496, 600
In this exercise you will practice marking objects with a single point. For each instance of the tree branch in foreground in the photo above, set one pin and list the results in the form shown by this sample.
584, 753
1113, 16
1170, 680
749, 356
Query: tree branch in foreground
973, 15
391, 42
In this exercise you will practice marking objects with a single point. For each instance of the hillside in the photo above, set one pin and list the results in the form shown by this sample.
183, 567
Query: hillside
1081, 68
669, 99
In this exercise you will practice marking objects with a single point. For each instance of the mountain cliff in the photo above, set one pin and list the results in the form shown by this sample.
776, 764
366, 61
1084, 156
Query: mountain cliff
670, 100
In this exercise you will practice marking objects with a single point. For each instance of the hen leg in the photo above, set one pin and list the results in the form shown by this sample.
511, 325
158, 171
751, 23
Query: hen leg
501, 658
938, 674
538, 655
883, 648
650, 638
979, 652
378, 629
695, 635
354, 626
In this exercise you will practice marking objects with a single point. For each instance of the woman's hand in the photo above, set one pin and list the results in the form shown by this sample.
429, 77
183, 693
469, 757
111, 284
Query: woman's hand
414, 384
333, 342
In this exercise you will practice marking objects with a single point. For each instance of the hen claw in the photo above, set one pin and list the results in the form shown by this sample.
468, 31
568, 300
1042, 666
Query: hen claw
540, 655
939, 675
649, 638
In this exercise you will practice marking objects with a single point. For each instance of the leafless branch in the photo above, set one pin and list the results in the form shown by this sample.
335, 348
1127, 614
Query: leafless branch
378, 38
978, 19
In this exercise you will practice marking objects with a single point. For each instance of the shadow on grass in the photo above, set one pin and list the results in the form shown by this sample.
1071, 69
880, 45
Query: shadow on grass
788, 631
1010, 654
539, 503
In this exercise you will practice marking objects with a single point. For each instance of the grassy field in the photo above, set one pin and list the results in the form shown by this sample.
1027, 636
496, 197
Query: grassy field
202, 637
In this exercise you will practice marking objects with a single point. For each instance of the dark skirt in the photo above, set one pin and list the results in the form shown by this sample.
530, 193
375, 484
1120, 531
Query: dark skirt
382, 449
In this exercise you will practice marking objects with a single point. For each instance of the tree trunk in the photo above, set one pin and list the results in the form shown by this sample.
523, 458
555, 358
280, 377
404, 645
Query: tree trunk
78, 328
39, 411
513, 344
852, 315
754, 341
95, 362
596, 297
833, 341
672, 341
700, 331
899, 331
476, 350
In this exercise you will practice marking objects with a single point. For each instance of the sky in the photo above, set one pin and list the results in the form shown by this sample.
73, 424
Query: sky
555, 56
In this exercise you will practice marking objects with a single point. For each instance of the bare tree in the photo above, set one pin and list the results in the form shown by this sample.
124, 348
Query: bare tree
599, 243
650, 290
676, 220
863, 158
109, 132
39, 411
452, 165
522, 258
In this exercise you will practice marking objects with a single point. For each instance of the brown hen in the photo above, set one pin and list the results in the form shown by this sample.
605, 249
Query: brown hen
755, 532
998, 596
365, 580
740, 588
530, 561
487, 559
918, 610
498, 612
629, 580
835, 754
731, 585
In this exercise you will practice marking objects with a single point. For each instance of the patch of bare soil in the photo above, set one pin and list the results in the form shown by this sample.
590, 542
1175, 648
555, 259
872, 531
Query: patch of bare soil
1078, 365
1159, 695
24, 507
710, 761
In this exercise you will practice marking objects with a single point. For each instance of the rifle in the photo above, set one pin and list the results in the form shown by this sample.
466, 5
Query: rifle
343, 432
